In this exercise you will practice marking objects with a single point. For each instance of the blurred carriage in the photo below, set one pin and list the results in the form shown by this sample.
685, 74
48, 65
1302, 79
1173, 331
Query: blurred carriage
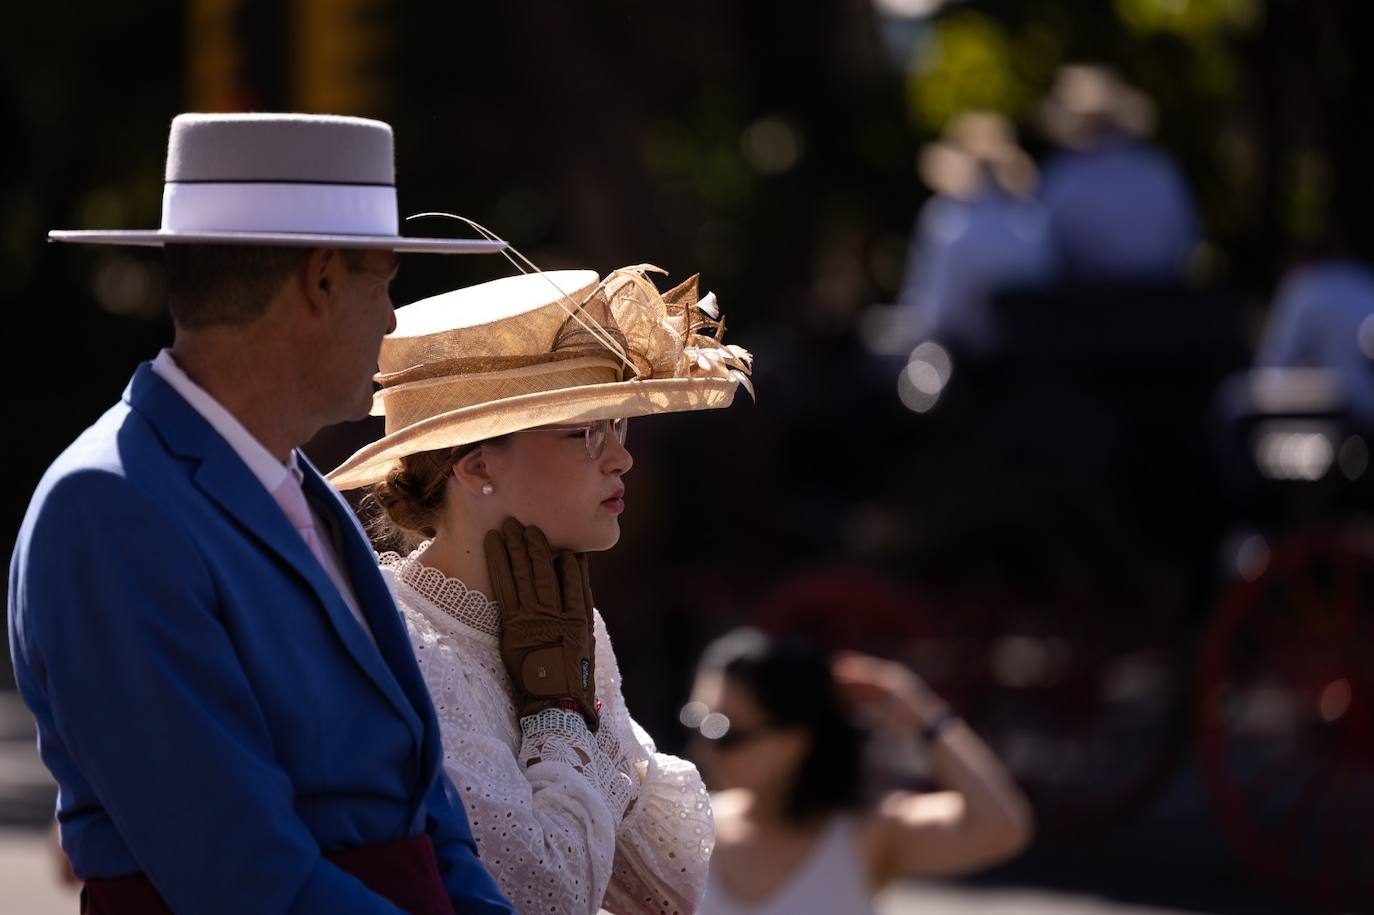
1121, 546
1284, 686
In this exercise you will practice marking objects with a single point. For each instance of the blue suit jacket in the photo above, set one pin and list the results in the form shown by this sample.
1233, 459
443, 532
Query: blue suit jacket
214, 715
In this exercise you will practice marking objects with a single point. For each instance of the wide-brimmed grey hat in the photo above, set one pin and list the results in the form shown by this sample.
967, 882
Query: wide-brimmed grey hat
311, 180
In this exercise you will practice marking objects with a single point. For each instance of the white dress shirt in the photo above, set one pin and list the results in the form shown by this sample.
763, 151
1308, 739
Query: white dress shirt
270, 472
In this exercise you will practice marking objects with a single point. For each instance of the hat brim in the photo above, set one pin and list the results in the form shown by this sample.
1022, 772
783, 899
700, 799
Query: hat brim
158, 238
621, 399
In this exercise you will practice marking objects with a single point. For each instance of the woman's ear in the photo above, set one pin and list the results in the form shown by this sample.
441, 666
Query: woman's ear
471, 472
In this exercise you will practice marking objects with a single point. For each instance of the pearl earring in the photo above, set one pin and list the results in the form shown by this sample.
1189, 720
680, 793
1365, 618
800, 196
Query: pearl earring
488, 489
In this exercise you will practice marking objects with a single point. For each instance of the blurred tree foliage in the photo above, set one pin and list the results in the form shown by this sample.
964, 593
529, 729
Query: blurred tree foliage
1257, 101
1193, 19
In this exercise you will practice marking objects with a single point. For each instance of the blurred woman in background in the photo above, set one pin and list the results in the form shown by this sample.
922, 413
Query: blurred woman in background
772, 730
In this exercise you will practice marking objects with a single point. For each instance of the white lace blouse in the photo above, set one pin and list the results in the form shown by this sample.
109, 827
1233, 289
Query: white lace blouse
547, 799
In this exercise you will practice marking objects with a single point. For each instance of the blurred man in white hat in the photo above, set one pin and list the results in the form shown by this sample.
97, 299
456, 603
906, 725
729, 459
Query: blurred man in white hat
1119, 208
223, 688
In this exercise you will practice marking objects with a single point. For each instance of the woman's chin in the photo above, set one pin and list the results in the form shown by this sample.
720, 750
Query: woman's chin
604, 543
609, 538
592, 542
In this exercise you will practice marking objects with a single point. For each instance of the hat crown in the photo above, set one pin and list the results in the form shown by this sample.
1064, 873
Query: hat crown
303, 148
511, 316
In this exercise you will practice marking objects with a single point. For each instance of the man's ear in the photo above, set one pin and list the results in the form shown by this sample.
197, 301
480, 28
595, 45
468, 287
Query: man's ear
471, 471
317, 277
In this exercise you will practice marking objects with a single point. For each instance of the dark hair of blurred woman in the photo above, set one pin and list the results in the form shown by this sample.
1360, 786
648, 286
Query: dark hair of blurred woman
791, 680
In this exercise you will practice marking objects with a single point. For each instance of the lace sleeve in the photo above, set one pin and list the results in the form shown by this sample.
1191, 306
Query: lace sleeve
545, 831
558, 736
664, 845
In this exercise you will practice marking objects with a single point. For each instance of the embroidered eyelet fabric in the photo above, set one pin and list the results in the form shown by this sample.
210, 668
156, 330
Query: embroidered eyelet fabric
566, 820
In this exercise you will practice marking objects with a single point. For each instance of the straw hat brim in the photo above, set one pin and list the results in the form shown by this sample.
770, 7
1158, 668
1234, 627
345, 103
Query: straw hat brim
158, 238
479, 422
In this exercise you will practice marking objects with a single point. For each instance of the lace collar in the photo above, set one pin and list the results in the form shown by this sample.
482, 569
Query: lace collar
467, 605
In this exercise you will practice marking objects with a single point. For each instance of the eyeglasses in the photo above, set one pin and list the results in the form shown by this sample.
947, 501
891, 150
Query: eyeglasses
595, 433
698, 718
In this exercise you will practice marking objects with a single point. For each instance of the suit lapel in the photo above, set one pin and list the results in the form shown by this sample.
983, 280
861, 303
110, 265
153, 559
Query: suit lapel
325, 513
227, 481
378, 606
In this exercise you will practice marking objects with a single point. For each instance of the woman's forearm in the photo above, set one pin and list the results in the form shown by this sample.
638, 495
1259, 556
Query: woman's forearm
663, 846
993, 805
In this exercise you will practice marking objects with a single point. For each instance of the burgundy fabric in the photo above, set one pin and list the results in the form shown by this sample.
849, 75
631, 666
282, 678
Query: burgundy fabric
121, 895
405, 872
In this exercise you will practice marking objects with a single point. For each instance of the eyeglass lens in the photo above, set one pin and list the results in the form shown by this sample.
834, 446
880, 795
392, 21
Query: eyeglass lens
596, 434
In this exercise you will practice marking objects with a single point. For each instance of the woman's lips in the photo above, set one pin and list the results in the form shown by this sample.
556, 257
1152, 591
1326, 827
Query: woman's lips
615, 503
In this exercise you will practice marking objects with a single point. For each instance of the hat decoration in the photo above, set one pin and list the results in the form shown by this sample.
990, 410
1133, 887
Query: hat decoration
676, 334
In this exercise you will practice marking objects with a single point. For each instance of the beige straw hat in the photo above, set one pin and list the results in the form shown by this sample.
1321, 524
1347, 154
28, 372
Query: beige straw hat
540, 349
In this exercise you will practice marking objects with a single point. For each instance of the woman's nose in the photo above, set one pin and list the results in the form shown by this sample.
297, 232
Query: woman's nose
616, 458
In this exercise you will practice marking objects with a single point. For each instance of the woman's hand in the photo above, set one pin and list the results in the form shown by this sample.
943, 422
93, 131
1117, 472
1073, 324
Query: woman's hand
546, 643
890, 692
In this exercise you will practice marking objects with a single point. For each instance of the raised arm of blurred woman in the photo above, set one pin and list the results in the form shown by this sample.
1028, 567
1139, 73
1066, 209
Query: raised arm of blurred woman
978, 818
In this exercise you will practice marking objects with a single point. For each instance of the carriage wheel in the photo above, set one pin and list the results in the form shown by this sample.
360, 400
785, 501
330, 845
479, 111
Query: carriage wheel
1285, 697
1082, 704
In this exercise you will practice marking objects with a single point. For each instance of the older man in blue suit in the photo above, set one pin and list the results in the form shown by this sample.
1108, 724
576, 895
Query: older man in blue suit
223, 688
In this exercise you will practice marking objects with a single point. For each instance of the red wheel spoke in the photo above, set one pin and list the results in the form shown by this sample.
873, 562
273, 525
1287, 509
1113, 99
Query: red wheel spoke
1342, 837
1346, 596
1305, 604
1274, 777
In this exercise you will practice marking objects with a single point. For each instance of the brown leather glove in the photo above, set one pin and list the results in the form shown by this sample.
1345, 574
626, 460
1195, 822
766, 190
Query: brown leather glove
546, 612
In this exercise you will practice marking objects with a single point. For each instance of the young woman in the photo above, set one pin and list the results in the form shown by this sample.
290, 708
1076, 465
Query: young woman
772, 727
507, 407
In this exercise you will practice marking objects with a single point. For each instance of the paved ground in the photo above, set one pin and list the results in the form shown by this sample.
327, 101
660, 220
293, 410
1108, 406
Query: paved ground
26, 791
29, 882
29, 885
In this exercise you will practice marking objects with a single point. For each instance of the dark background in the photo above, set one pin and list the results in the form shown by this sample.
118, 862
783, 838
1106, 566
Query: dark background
770, 145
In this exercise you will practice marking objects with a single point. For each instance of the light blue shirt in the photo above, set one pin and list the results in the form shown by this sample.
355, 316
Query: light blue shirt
1316, 321
1119, 213
963, 253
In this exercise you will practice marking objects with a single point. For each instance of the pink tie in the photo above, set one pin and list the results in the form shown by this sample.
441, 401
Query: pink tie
292, 501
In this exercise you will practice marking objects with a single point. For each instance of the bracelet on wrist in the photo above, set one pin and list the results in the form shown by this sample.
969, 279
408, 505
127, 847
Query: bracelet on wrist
566, 703
572, 705
932, 729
